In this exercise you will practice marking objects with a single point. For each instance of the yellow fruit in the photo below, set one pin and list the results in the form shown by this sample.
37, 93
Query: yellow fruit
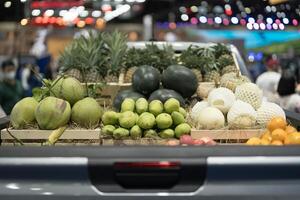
290, 129
287, 140
253, 141
276, 122
278, 134
293, 138
277, 142
265, 142
266, 136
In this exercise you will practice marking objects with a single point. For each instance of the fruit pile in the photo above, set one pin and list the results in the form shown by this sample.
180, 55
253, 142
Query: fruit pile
177, 81
278, 132
142, 119
238, 107
55, 105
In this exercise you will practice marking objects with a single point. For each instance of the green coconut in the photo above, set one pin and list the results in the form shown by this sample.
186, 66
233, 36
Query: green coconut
86, 113
22, 113
52, 113
69, 89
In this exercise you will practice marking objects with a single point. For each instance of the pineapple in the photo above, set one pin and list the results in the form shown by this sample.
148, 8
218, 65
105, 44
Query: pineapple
198, 74
75, 73
212, 76
85, 55
129, 74
229, 68
221, 49
116, 47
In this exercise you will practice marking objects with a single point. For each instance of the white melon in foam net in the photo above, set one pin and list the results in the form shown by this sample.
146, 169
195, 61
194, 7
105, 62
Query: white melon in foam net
197, 108
241, 115
221, 98
267, 111
249, 93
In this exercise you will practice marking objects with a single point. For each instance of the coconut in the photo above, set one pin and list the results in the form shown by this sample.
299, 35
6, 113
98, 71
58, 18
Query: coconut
86, 113
68, 88
197, 108
22, 113
52, 113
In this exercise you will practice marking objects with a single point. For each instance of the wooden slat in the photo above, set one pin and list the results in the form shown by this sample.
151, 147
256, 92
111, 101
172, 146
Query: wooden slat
227, 134
44, 134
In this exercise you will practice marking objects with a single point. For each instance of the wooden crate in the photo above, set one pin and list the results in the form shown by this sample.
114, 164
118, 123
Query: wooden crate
131, 142
34, 137
106, 95
227, 136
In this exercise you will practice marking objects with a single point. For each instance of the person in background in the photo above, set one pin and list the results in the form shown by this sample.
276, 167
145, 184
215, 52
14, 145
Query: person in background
11, 90
268, 81
29, 79
289, 99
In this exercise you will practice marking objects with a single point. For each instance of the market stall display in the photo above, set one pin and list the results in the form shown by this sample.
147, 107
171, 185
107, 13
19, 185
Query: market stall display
158, 105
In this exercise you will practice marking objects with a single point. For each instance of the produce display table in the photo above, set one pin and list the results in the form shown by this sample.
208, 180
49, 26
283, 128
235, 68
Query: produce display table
33, 137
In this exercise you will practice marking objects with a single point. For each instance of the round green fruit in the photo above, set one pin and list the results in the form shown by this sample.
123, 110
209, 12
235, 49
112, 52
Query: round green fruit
110, 118
68, 88
127, 119
136, 132
156, 107
108, 130
141, 105
127, 105
164, 121
22, 113
150, 133
182, 129
52, 113
167, 133
171, 105
177, 118
86, 113
183, 112
120, 133
146, 120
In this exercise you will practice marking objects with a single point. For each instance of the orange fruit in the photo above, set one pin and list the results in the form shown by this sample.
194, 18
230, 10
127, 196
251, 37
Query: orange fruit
276, 122
265, 142
279, 134
266, 136
290, 129
287, 140
277, 142
293, 138
254, 141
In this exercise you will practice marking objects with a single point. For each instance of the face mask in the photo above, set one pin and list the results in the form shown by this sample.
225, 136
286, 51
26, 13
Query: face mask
9, 75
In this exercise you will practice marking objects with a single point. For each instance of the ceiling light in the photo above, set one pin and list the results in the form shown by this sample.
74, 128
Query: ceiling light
35, 12
49, 13
7, 4
96, 13
184, 17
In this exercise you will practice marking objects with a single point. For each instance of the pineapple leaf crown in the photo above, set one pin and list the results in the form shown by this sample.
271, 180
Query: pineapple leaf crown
86, 53
151, 55
116, 47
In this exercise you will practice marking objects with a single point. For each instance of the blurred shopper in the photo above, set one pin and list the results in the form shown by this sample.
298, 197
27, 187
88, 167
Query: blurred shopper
2, 113
11, 90
29, 79
268, 81
289, 99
